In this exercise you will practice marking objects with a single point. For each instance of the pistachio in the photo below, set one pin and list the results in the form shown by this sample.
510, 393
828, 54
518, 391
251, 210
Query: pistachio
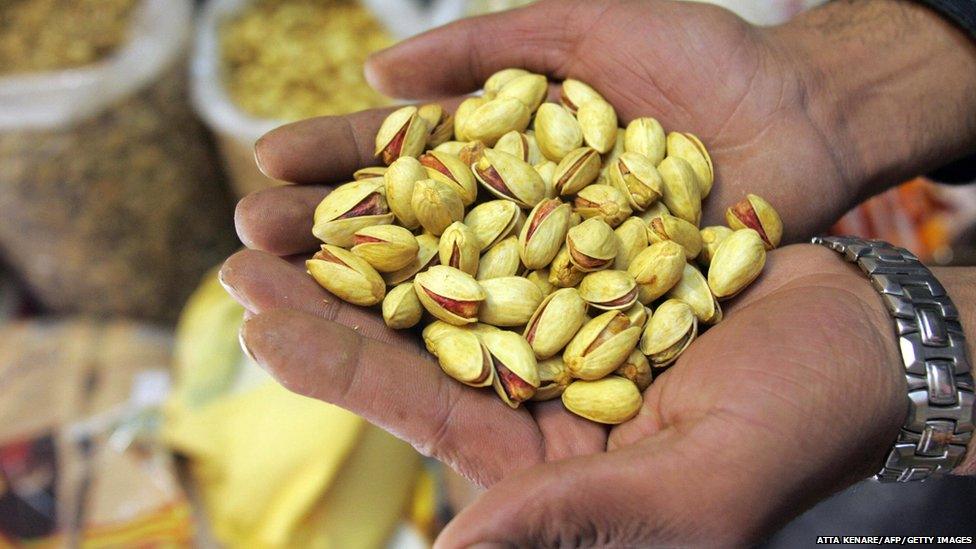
493, 221
348, 277
657, 269
471, 152
609, 290
693, 289
669, 227
754, 212
637, 178
530, 89
602, 202
426, 256
449, 294
540, 278
669, 332
711, 238
576, 170
440, 124
611, 157
637, 370
598, 121
509, 301
547, 171
543, 233
460, 353
520, 145
555, 321
348, 208
369, 172
436, 205
737, 262
646, 136
463, 113
436, 330
505, 176
689, 147
451, 147
631, 240
448, 168
592, 245
556, 131
680, 191
601, 345
638, 314
495, 118
403, 133
401, 307
654, 210
574, 94
386, 248
553, 379
516, 371
613, 400
460, 248
497, 81
399, 181
562, 272
502, 259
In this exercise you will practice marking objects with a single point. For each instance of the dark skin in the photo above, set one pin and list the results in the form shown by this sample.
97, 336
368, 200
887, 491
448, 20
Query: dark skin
796, 394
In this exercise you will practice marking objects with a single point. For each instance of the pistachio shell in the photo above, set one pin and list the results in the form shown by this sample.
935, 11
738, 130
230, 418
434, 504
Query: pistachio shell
711, 238
598, 121
547, 171
646, 136
737, 262
603, 202
495, 118
576, 170
553, 379
497, 81
516, 371
369, 172
493, 221
436, 330
401, 307
669, 332
459, 248
689, 147
348, 277
543, 233
669, 227
540, 278
754, 212
461, 354
555, 321
574, 94
386, 248
613, 400
509, 301
463, 113
451, 147
426, 256
592, 245
631, 240
449, 294
609, 290
502, 259
693, 289
472, 152
440, 124
556, 131
448, 168
637, 369
601, 345
680, 191
521, 146
436, 205
638, 314
530, 89
611, 157
508, 177
562, 272
654, 210
348, 208
403, 133
637, 178
398, 183
657, 269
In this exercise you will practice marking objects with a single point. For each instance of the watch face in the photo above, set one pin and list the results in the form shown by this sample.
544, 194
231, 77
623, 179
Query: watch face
28, 480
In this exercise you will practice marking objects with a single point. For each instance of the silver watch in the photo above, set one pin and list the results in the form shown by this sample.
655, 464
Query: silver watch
939, 424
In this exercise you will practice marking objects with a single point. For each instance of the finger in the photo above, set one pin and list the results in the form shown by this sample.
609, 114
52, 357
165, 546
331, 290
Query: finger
279, 220
567, 434
398, 390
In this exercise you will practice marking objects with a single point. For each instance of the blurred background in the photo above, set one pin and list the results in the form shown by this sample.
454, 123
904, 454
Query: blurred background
128, 414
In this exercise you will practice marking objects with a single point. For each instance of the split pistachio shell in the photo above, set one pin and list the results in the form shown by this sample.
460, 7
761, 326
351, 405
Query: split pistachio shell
576, 170
401, 307
562, 272
369, 172
612, 400
509, 301
638, 314
448, 168
603, 202
426, 256
670, 331
403, 133
680, 189
508, 177
689, 147
555, 322
530, 89
497, 81
637, 178
516, 371
601, 345
646, 136
386, 248
556, 131
592, 245
543, 233
493, 221
693, 289
348, 277
540, 278
598, 121
711, 237
637, 369
609, 290
669, 227
574, 94
631, 240
502, 259
657, 269
461, 354
398, 182
737, 262
547, 171
440, 124
449, 294
553, 379
460, 248
472, 152
436, 205
520, 145
754, 212
348, 208
463, 113
451, 147
654, 210
495, 118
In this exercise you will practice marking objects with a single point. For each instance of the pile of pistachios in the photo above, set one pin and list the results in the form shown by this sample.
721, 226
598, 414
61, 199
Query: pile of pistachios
576, 274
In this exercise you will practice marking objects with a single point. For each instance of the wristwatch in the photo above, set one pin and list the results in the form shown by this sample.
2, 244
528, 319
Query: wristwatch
939, 424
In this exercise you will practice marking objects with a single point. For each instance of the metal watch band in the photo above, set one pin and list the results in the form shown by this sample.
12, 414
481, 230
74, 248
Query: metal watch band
939, 424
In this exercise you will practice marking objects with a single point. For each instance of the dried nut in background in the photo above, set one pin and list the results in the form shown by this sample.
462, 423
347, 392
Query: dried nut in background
426, 256
461, 354
609, 290
516, 373
401, 307
463, 113
669, 227
592, 245
369, 172
637, 369
460, 248
519, 145
574, 94
555, 322
543, 233
440, 124
451, 147
638, 314
631, 240
556, 131
693, 289
502, 259
680, 189
711, 237
670, 331
403, 133
754, 212
553, 379
654, 210
612, 400
509, 301
386, 248
576, 170
689, 147
541, 279
530, 89
603, 202
598, 121
348, 208
449, 294
471, 152
601, 345
436, 205
449, 169
398, 182
562, 272
547, 171
497, 81
657, 269
737, 262
496, 118
348, 277
493, 221
645, 136
506, 176
637, 178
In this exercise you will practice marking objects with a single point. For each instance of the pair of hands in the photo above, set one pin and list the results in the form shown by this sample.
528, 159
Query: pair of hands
796, 394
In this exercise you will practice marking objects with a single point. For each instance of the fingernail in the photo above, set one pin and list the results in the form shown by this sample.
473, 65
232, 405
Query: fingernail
231, 291
370, 73
257, 158
242, 339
